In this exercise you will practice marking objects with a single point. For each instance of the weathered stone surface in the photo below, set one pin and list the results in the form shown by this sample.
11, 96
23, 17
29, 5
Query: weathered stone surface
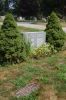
28, 89
35, 38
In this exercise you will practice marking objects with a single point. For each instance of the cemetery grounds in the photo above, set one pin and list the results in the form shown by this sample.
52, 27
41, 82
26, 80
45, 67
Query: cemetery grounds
48, 72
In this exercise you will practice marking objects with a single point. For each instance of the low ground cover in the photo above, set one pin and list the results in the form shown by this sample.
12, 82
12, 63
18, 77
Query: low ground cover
49, 72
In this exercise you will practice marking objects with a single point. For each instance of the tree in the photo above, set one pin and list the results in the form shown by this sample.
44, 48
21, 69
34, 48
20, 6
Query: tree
12, 46
36, 8
55, 34
39, 8
28, 8
1, 7
6, 5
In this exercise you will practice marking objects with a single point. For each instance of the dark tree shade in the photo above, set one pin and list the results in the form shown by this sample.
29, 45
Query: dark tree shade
1, 7
36, 8
40, 7
28, 8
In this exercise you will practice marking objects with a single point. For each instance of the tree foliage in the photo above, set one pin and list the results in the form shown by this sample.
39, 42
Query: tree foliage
27, 7
40, 7
1, 7
35, 7
12, 46
55, 34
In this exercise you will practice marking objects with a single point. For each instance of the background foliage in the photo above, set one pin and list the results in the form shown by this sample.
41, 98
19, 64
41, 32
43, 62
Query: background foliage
38, 8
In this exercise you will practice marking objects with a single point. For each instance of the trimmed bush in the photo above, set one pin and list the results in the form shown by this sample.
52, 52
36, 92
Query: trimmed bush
54, 31
12, 45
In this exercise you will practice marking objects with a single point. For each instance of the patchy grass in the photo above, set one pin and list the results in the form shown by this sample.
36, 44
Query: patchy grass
25, 29
50, 72
63, 23
32, 96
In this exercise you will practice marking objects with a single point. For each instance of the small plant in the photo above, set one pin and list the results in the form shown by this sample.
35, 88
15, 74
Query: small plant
27, 46
43, 51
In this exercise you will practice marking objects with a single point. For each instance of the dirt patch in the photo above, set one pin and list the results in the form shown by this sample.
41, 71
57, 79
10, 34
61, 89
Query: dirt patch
61, 99
28, 89
63, 53
7, 86
3, 75
11, 73
3, 98
48, 93
14, 73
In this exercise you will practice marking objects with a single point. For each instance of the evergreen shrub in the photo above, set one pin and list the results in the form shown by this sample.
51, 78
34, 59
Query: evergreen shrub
12, 44
55, 34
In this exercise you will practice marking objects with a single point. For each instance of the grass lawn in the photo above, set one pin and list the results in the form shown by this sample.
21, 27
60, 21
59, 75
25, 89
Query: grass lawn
25, 29
49, 72
63, 23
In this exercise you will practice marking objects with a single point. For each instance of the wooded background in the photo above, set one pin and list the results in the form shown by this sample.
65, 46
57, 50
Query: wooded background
33, 8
